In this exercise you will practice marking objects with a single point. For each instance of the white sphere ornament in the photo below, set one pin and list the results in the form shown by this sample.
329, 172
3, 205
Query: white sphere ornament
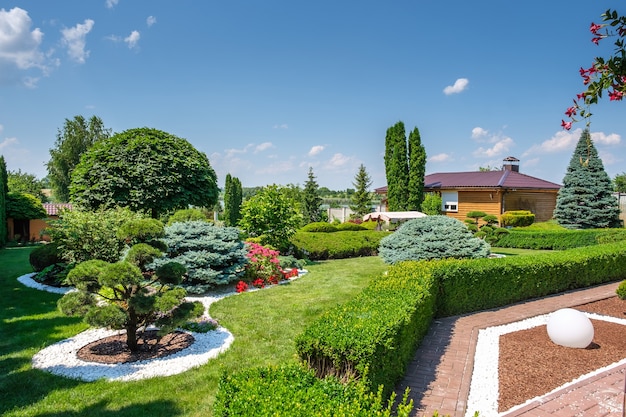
570, 328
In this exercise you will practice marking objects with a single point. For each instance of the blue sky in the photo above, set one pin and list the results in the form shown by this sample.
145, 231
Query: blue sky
268, 89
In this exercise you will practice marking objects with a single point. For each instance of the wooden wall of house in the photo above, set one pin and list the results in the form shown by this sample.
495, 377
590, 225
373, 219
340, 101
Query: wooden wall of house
541, 203
485, 201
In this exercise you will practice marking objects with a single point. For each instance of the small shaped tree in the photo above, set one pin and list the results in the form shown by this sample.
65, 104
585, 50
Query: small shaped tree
432, 237
124, 295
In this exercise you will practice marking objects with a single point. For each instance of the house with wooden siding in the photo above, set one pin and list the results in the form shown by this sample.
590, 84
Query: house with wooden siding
492, 192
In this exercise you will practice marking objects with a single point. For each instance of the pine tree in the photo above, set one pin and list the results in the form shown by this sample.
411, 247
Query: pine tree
585, 200
396, 168
4, 188
362, 197
417, 169
311, 200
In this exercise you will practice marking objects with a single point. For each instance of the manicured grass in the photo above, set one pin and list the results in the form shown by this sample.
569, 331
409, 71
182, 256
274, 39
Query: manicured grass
264, 324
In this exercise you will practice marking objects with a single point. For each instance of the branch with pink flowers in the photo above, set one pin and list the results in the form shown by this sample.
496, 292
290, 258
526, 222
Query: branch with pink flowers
604, 74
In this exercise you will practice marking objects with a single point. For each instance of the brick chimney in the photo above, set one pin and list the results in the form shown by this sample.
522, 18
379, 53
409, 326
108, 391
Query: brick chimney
511, 163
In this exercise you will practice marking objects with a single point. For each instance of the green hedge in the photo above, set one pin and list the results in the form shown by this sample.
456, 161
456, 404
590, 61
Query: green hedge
323, 227
466, 286
345, 244
377, 332
292, 390
517, 218
558, 240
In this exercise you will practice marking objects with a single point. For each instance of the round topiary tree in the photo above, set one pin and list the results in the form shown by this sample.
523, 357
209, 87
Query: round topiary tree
432, 237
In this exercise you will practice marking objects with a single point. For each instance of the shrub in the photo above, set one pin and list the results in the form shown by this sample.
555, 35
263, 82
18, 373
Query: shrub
323, 227
354, 227
54, 275
558, 239
212, 255
140, 230
432, 237
621, 290
348, 244
187, 215
44, 256
294, 391
517, 218
85, 235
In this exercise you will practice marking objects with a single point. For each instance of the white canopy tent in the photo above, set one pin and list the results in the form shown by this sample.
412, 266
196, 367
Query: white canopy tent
393, 216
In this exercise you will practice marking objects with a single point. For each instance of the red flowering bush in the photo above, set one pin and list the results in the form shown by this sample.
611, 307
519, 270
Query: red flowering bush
241, 287
263, 268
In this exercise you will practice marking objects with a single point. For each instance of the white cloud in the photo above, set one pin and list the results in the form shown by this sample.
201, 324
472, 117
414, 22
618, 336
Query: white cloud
74, 40
479, 132
1, 128
339, 160
500, 147
263, 146
459, 86
8, 142
440, 157
563, 140
316, 150
600, 138
132, 39
111, 3
281, 126
151, 20
20, 48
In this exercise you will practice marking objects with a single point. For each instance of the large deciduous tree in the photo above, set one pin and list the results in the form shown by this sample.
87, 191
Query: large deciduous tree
146, 170
311, 200
619, 183
72, 141
417, 170
585, 201
23, 182
362, 197
232, 200
4, 189
396, 168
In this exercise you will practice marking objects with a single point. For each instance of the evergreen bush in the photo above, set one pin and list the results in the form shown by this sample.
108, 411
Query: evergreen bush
621, 290
432, 237
186, 215
350, 226
517, 218
44, 256
212, 255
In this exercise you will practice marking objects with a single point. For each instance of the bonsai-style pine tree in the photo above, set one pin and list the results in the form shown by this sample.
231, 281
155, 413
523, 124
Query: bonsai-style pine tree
311, 200
124, 295
585, 200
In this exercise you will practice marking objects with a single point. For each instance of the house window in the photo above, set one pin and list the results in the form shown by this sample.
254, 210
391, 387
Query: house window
450, 201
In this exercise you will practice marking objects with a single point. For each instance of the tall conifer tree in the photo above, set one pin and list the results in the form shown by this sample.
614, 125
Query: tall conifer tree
311, 200
585, 201
232, 200
396, 168
362, 197
417, 170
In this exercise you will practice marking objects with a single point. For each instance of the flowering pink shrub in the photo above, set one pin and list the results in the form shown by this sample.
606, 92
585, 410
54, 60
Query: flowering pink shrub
263, 268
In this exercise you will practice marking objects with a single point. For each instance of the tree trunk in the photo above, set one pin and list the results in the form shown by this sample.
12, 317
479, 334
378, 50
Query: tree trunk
131, 331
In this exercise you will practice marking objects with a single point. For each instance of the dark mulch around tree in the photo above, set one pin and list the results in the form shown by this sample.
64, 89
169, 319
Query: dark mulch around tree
113, 349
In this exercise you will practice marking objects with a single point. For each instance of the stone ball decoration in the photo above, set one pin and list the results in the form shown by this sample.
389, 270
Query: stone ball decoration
570, 328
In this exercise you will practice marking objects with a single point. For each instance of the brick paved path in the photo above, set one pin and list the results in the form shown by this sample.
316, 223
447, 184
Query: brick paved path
440, 373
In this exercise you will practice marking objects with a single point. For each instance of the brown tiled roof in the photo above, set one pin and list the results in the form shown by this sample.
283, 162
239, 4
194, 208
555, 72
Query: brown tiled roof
53, 209
483, 179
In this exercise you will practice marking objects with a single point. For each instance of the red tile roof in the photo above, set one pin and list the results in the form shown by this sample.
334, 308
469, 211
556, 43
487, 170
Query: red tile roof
53, 209
483, 179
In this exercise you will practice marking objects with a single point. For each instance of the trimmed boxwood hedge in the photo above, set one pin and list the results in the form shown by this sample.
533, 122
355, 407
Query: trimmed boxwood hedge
292, 390
377, 332
345, 244
558, 239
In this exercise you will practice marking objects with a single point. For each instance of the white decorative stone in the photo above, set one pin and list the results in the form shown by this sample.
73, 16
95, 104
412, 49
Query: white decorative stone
570, 328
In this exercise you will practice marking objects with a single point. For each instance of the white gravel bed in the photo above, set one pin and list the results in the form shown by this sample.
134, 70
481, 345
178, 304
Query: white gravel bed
484, 386
60, 358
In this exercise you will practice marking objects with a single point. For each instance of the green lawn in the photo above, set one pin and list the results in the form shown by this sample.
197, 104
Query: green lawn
264, 324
